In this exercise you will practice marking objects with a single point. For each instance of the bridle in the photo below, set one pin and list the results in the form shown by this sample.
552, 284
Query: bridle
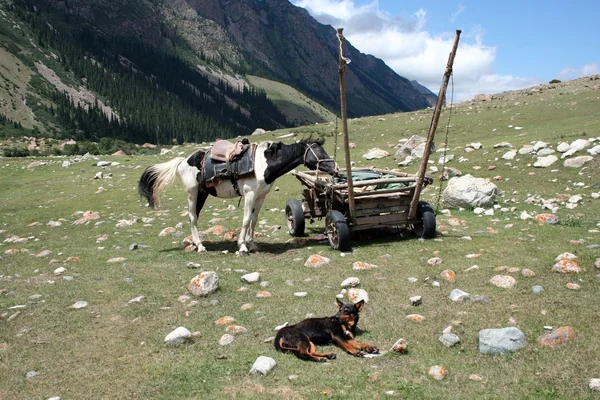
309, 147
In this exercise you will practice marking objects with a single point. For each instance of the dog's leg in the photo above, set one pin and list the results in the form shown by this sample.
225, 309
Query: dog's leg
311, 353
355, 348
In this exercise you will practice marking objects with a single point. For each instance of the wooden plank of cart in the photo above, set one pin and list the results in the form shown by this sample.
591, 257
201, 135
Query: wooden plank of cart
366, 198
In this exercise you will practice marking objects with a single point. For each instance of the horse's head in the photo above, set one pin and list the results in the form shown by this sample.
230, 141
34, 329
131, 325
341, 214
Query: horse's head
315, 157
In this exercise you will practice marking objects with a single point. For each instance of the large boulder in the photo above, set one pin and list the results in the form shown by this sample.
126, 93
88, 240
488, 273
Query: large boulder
469, 192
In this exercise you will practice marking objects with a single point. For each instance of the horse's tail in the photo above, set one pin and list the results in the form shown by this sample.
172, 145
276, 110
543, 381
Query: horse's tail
156, 178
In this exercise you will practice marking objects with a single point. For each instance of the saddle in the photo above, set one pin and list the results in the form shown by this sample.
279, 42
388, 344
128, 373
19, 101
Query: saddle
226, 160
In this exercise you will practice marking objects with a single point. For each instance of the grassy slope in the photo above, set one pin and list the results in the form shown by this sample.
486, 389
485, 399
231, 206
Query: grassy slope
113, 349
298, 108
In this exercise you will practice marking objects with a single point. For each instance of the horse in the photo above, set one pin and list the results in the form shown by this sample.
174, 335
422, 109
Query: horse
270, 161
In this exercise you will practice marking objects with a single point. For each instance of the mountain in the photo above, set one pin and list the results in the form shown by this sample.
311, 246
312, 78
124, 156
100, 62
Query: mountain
182, 70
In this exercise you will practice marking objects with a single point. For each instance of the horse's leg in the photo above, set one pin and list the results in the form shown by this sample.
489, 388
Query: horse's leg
249, 201
254, 218
196, 201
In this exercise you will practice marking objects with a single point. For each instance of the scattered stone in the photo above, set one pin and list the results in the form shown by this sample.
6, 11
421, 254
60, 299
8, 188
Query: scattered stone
573, 286
204, 283
595, 384
415, 317
557, 337
503, 281
262, 366
448, 275
316, 260
537, 289
137, 299
458, 295
224, 320
350, 282
545, 162
416, 300
226, 339
401, 346
300, 294
178, 336
361, 266
526, 272
235, 329
434, 261
543, 219
438, 372
355, 295
263, 294
376, 153
80, 304
59, 270
168, 231
475, 377
449, 339
566, 266
251, 278
577, 162
116, 260
503, 340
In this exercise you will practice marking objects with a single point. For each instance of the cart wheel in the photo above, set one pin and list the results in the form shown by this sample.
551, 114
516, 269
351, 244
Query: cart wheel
426, 228
295, 217
337, 231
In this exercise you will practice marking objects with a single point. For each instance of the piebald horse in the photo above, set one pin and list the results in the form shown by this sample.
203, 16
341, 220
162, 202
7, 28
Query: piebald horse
271, 160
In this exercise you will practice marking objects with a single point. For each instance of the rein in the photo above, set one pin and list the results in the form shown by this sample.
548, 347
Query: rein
310, 147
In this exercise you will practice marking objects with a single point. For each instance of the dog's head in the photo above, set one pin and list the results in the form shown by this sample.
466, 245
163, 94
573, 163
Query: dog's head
348, 313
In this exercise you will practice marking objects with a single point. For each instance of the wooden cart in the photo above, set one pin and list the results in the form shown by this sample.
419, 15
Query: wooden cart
357, 204
378, 203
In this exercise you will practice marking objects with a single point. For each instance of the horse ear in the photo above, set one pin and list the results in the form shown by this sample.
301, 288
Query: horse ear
272, 151
320, 141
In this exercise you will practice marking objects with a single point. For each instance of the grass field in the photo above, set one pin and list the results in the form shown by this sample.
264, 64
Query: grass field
115, 349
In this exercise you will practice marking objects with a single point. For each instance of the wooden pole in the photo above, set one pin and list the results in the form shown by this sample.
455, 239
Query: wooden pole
434, 121
342, 69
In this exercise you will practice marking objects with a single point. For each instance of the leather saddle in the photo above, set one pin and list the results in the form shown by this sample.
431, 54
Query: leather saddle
227, 160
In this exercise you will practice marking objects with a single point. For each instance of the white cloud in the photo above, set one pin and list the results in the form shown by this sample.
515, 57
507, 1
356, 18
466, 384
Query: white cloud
405, 44
578, 72
461, 8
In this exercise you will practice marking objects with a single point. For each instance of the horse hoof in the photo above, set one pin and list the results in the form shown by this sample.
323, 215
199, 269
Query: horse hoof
201, 249
243, 253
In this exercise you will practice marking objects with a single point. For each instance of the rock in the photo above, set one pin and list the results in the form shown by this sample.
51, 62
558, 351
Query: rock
251, 277
300, 294
539, 145
503, 281
543, 219
469, 192
448, 275
526, 149
545, 152
573, 286
563, 147
401, 346
376, 153
557, 337
262, 366
226, 339
594, 151
449, 339
350, 282
416, 300
450, 172
458, 295
415, 317
438, 372
503, 340
361, 266
316, 260
475, 377
116, 260
355, 295
537, 289
566, 266
59, 270
545, 162
526, 272
236, 329
565, 256
577, 162
224, 320
595, 384
178, 336
80, 304
510, 155
413, 147
258, 131
167, 231
434, 261
204, 283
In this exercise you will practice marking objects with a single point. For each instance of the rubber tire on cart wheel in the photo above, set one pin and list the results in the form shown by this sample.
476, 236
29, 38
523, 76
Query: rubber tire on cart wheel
337, 231
426, 228
295, 217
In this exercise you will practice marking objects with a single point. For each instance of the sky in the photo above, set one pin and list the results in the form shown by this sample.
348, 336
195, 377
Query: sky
504, 44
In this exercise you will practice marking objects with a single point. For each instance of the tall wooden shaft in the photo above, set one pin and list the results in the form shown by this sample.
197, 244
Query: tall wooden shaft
342, 70
434, 121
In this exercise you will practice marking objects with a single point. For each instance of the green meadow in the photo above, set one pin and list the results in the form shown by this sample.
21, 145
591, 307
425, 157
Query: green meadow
114, 348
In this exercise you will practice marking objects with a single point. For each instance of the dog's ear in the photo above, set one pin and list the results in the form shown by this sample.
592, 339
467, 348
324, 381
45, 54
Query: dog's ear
339, 303
359, 306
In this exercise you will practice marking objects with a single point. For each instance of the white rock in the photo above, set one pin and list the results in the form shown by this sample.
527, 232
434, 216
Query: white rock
467, 191
458, 295
510, 155
563, 147
137, 299
178, 336
595, 384
350, 282
80, 304
59, 270
539, 145
478, 210
575, 199
204, 283
300, 294
594, 151
226, 339
524, 216
355, 295
526, 149
579, 144
251, 277
544, 162
262, 366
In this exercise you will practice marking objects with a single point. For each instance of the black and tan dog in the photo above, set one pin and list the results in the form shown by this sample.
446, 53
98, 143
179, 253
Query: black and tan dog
340, 329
